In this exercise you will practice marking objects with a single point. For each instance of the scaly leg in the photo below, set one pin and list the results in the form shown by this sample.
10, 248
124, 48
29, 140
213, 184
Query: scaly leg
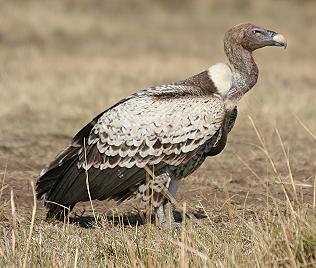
160, 218
164, 213
153, 193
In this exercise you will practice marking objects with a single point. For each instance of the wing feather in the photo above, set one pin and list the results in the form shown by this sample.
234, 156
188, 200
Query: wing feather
145, 129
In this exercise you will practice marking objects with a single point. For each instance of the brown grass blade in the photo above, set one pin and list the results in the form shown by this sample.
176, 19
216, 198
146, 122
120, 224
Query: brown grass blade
288, 164
87, 182
14, 227
305, 127
31, 226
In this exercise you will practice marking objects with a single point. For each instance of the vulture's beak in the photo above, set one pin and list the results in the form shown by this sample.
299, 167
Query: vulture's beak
278, 40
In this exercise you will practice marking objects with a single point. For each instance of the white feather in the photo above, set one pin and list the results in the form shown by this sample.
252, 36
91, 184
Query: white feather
221, 75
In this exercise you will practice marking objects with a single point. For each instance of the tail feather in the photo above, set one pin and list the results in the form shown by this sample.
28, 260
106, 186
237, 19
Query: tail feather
49, 177
65, 185
55, 180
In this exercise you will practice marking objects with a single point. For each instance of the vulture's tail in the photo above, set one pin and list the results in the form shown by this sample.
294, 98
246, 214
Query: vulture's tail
56, 176
51, 177
62, 184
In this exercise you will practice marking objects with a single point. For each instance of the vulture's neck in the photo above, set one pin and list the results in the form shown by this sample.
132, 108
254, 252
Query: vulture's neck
245, 71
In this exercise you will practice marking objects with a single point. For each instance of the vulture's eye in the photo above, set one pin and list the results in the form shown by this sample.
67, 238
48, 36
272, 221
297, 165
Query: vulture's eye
257, 32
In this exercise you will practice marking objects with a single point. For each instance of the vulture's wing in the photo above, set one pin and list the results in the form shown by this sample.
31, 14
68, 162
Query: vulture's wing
159, 126
147, 130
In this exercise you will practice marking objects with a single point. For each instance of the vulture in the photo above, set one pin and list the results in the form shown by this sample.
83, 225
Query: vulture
144, 145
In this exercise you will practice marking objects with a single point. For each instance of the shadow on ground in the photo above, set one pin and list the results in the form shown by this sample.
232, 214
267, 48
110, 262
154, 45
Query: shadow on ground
129, 219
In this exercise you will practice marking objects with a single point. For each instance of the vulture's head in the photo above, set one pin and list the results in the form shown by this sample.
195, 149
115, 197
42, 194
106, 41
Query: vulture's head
252, 37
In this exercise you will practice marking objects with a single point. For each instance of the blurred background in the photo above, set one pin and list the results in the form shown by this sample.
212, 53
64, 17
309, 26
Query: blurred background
62, 62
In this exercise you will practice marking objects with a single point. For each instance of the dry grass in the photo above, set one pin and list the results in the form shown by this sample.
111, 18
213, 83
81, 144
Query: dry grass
64, 62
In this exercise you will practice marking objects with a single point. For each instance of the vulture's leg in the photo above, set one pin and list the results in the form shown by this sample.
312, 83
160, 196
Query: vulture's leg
160, 218
168, 207
164, 213
153, 193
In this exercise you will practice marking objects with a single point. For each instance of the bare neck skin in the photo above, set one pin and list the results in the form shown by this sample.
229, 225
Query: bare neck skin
245, 71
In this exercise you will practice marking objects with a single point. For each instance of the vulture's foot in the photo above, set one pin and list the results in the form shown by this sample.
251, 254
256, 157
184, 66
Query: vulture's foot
164, 216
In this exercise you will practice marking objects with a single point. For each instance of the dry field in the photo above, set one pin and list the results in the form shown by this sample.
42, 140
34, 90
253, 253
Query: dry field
62, 62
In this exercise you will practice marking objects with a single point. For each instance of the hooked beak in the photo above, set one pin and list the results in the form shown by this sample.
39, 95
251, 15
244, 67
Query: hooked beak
278, 40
